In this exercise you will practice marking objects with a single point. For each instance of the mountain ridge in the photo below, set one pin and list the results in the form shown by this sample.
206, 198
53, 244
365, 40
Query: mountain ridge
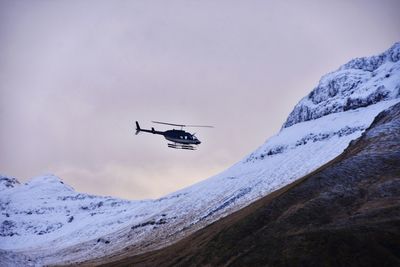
358, 83
346, 213
56, 225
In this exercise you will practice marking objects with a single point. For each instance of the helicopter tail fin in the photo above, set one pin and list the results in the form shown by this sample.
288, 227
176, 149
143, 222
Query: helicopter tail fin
137, 128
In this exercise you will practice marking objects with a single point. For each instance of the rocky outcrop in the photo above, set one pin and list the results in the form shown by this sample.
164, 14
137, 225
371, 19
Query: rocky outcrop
7, 182
359, 83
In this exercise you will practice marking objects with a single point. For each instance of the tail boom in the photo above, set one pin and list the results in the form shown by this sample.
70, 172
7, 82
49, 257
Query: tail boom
153, 131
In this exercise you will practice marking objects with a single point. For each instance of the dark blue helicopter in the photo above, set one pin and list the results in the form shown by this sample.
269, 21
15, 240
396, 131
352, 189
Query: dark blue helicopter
180, 138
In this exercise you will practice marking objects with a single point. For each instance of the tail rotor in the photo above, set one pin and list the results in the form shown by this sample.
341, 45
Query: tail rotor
137, 128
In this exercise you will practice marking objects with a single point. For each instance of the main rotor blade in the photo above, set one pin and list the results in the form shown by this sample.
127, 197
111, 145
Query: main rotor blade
204, 126
182, 125
166, 123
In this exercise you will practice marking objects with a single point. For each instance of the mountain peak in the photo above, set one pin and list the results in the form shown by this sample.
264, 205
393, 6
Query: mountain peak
359, 83
48, 182
46, 178
374, 62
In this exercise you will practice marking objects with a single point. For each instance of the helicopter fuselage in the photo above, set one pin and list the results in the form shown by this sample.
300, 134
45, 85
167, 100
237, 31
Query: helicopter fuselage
181, 137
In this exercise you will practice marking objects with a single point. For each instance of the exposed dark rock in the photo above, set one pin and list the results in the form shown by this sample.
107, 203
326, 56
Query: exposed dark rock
48, 229
102, 240
7, 228
8, 182
151, 222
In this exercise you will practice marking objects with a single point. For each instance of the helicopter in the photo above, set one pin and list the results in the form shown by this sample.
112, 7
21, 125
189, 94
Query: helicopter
180, 138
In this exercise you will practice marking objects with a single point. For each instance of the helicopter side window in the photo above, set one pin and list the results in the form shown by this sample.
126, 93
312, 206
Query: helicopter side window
185, 136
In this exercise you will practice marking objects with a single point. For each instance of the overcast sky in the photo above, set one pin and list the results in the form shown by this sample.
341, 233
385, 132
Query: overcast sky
75, 75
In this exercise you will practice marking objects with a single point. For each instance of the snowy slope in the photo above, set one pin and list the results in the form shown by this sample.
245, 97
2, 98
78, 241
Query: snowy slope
48, 222
36, 211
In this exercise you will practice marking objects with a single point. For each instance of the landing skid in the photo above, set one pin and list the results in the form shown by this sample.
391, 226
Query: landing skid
179, 146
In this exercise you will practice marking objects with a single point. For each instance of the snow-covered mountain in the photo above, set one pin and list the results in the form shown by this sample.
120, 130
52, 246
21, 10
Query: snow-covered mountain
45, 221
359, 83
